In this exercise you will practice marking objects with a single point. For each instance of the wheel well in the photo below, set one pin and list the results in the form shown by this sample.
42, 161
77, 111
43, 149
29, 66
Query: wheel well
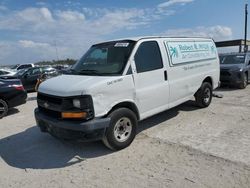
4, 100
7, 102
209, 80
128, 105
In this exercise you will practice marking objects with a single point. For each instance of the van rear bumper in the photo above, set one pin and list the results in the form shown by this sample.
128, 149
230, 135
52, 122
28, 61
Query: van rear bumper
73, 130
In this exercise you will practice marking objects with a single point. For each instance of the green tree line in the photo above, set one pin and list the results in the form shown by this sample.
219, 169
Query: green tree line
57, 62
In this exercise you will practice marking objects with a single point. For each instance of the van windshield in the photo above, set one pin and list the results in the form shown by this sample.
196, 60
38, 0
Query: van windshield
232, 59
104, 59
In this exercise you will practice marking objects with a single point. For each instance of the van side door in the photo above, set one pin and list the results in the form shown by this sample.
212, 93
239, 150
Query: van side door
150, 77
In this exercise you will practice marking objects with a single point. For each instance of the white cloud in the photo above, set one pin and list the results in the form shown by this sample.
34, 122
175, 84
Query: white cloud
70, 31
29, 19
112, 21
6, 50
26, 51
32, 44
3, 8
217, 32
173, 2
46, 14
70, 16
34, 14
43, 20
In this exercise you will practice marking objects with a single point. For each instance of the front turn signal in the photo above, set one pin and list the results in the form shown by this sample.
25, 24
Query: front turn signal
74, 115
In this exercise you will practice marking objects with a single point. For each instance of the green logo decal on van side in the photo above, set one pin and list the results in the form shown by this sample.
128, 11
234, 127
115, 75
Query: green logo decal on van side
173, 52
187, 51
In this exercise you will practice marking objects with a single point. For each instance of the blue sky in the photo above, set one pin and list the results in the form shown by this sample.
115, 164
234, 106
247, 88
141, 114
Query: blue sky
31, 31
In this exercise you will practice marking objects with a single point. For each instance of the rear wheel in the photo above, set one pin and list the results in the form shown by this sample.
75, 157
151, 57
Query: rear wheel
244, 83
3, 108
122, 129
203, 96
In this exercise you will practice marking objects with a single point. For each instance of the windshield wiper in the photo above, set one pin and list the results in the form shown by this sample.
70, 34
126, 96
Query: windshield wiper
89, 71
70, 71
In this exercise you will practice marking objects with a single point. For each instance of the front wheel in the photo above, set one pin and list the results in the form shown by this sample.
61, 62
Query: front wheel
3, 108
203, 96
122, 129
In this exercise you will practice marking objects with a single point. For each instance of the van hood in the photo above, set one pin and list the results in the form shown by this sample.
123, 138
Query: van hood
71, 85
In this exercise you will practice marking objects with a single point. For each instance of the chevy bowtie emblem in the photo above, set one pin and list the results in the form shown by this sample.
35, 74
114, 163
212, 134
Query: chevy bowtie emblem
46, 105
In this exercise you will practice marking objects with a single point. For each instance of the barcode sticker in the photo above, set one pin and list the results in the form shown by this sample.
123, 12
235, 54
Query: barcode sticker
121, 44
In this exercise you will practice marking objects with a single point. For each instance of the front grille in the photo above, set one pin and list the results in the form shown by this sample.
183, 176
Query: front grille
50, 113
49, 98
53, 106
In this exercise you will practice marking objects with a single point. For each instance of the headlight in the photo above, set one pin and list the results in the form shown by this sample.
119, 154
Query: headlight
82, 102
79, 107
77, 103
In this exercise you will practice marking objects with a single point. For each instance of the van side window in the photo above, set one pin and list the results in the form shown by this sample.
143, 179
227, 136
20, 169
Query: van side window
148, 57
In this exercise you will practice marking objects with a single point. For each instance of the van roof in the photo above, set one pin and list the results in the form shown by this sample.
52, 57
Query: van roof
155, 37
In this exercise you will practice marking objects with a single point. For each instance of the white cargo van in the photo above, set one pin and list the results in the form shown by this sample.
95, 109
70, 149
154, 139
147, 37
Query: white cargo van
118, 83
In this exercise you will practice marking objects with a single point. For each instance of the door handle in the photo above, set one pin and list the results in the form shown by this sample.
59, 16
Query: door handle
165, 75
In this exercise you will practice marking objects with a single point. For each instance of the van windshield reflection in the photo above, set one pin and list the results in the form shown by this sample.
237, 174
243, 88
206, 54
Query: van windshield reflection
104, 59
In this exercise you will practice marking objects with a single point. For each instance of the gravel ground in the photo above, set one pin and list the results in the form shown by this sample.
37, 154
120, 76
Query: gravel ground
182, 147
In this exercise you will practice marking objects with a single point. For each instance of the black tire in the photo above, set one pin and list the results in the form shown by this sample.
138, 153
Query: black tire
119, 119
244, 83
203, 96
3, 108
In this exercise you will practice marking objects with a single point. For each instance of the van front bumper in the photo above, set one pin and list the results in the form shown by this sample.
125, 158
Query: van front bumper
73, 130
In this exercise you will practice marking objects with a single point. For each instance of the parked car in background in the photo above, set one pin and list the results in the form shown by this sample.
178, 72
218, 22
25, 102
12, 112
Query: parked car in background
5, 72
12, 94
43, 77
29, 76
22, 66
65, 70
235, 69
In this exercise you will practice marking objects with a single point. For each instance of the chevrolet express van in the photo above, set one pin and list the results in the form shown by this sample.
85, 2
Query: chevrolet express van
118, 83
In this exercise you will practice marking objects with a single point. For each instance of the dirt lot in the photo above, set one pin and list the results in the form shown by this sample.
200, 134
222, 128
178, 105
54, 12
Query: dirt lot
182, 147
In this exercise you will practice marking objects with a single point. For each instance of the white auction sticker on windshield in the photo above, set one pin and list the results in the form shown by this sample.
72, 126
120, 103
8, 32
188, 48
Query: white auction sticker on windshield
122, 44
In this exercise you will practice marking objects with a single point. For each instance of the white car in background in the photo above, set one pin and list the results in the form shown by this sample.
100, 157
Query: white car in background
21, 66
5, 72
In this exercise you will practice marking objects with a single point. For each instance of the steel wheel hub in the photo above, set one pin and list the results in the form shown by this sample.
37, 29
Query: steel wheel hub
2, 108
122, 129
207, 95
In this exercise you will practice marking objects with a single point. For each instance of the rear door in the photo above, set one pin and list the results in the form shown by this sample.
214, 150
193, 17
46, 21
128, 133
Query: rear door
150, 76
